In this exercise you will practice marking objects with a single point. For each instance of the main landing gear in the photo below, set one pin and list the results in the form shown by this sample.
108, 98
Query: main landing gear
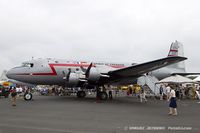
101, 95
81, 94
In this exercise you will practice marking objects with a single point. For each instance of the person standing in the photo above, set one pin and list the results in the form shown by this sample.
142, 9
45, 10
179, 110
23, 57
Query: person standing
142, 94
98, 94
181, 91
13, 96
177, 92
168, 89
194, 91
110, 96
161, 92
173, 104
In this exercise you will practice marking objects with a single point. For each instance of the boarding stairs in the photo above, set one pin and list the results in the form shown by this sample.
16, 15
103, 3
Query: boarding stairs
150, 81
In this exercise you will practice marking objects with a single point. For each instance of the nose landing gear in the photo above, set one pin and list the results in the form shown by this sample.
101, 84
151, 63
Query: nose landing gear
28, 96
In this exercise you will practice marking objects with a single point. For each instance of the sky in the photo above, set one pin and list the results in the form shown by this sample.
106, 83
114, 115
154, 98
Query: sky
98, 30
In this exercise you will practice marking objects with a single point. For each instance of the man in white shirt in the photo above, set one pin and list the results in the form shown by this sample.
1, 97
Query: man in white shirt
168, 89
198, 95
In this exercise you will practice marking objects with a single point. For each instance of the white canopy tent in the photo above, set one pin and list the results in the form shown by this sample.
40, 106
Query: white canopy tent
197, 79
177, 79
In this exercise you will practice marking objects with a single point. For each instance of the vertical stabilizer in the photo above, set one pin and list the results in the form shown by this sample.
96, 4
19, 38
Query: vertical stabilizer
176, 49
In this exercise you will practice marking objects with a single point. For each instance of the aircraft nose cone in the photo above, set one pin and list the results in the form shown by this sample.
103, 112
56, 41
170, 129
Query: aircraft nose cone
10, 74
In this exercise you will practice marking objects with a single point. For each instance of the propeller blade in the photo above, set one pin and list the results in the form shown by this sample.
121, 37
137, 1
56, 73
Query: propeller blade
88, 70
68, 75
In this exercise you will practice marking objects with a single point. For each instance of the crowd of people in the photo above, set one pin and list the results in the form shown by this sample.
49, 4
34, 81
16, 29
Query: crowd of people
169, 92
188, 92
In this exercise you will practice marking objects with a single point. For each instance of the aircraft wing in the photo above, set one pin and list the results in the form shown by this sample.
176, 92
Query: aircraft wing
140, 69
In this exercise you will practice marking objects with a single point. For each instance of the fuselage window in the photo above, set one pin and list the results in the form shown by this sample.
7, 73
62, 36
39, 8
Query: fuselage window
27, 65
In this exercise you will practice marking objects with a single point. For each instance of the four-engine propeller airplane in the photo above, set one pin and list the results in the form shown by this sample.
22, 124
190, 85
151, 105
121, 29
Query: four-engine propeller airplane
95, 74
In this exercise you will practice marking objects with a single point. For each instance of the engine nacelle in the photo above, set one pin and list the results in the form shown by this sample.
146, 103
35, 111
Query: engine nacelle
73, 79
94, 75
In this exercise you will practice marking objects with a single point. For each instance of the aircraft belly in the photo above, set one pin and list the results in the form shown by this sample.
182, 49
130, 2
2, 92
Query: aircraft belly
53, 80
43, 80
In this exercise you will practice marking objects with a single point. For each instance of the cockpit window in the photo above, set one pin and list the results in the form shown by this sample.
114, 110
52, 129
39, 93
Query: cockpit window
27, 65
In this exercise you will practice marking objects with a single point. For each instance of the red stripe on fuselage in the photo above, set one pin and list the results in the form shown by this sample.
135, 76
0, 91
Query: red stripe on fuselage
54, 73
52, 66
116, 66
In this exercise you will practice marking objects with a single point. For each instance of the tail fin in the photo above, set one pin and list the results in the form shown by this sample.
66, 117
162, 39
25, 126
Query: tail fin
176, 49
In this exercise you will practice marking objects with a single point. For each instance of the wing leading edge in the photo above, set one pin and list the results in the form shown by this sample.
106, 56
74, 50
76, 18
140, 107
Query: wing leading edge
140, 69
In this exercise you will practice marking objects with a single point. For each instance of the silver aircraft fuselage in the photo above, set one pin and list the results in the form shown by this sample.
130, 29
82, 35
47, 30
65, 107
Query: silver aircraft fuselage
56, 72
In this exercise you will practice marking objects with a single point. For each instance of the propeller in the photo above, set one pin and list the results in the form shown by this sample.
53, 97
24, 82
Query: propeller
87, 73
68, 75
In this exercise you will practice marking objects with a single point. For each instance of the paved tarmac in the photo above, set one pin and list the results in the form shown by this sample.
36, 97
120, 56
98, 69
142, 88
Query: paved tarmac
54, 114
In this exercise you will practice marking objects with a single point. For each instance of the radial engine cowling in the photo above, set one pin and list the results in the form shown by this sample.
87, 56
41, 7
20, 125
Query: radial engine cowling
73, 79
94, 75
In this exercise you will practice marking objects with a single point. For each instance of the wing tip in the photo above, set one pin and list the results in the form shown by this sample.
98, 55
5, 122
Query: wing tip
178, 57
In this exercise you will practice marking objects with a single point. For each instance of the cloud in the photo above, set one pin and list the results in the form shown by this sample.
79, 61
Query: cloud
110, 30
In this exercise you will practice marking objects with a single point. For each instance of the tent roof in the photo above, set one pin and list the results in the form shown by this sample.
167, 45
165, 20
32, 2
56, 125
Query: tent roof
177, 79
197, 79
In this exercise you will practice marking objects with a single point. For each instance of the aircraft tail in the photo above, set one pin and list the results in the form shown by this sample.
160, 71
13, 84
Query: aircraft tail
176, 49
